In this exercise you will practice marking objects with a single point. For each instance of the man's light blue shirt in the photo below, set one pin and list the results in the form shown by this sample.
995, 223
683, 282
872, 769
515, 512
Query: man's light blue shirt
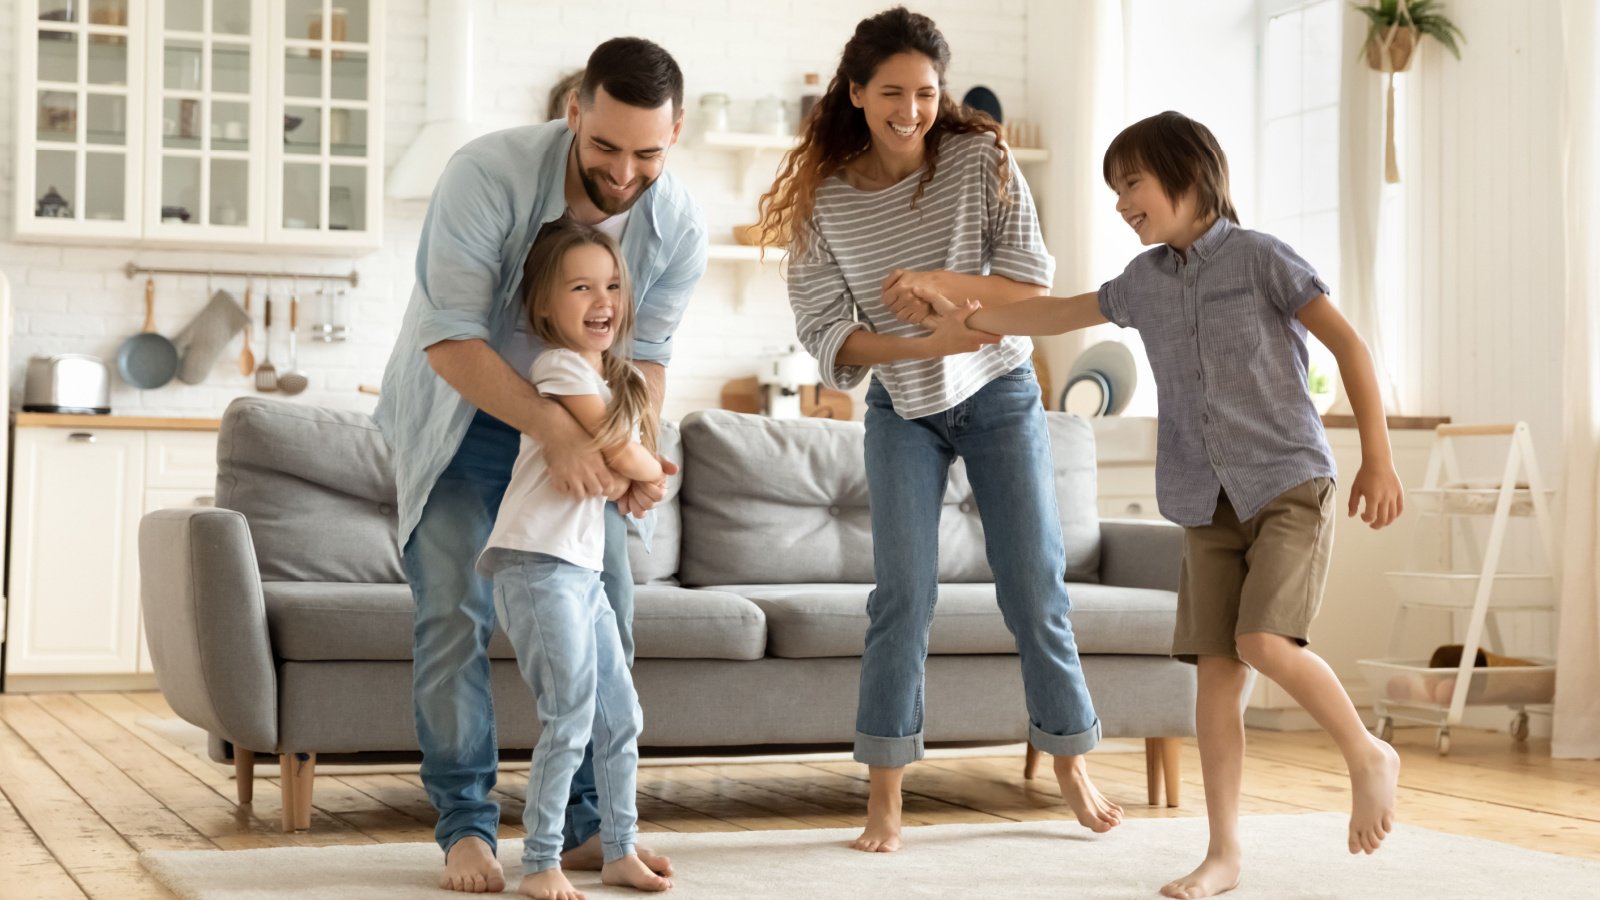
492, 199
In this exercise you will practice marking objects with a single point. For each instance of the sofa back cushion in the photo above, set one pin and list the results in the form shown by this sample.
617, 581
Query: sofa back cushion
769, 501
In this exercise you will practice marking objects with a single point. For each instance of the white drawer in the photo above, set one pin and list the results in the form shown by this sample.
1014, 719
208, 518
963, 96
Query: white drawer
181, 459
1128, 507
1116, 481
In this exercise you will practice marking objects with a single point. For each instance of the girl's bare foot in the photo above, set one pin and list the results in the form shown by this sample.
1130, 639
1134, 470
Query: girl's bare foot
551, 884
882, 834
470, 867
1217, 875
588, 857
631, 871
1372, 789
1094, 811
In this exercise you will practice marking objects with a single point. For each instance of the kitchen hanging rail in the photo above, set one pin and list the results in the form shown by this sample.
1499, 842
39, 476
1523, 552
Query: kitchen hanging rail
133, 270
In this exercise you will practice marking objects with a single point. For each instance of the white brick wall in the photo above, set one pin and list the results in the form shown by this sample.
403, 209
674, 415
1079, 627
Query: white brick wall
77, 300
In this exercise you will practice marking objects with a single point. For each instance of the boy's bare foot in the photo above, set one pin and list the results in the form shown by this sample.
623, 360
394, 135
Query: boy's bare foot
882, 834
588, 857
1094, 811
1217, 875
551, 884
631, 871
470, 867
1372, 790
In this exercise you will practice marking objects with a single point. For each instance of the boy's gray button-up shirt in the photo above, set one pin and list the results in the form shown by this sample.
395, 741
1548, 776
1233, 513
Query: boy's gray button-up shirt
1229, 357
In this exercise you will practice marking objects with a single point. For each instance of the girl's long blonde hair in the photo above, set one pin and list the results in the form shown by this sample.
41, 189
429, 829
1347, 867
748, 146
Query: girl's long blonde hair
835, 132
630, 394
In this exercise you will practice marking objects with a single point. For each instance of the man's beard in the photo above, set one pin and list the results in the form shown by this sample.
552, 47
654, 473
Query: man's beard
607, 204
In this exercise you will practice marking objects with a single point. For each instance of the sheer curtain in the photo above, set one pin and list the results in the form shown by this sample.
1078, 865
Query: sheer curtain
1577, 708
1360, 201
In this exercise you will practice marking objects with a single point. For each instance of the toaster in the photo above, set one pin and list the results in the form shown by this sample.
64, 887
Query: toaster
67, 383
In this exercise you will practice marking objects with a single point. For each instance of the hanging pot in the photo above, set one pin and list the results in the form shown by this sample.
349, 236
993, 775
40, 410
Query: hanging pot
1402, 46
147, 360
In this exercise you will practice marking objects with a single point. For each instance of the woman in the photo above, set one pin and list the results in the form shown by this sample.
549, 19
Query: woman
895, 190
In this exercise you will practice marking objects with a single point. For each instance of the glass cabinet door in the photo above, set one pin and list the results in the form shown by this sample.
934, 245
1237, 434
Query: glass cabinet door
329, 162
206, 167
79, 118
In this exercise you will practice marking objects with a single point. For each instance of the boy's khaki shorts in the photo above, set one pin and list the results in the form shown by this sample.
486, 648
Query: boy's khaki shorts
1264, 575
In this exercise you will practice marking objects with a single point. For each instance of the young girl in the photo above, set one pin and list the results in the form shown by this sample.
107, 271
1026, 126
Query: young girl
1242, 462
545, 556
892, 187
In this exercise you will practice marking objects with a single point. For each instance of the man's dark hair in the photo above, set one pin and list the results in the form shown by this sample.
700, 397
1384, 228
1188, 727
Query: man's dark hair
635, 71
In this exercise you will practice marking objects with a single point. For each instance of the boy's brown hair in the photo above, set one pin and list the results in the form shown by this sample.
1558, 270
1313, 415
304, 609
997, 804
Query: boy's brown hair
1181, 153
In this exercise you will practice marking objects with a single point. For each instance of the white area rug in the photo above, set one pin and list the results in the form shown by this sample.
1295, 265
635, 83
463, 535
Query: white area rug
1290, 856
193, 739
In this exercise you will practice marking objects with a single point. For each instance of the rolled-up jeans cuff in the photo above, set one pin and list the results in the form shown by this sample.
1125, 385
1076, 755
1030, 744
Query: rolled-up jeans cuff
888, 752
1061, 744
535, 866
611, 852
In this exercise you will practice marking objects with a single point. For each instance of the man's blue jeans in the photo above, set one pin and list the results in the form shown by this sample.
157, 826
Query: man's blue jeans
1002, 434
455, 618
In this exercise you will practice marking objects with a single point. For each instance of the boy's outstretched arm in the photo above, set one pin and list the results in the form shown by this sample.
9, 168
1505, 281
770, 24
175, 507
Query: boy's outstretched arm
1377, 481
1034, 316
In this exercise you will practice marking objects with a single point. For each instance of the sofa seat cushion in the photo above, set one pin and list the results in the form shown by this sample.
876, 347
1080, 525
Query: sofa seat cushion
811, 620
333, 620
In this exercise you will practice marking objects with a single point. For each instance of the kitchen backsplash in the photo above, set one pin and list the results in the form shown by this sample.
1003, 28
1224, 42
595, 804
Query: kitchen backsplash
77, 299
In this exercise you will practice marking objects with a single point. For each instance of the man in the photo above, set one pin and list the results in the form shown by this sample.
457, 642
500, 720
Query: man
455, 401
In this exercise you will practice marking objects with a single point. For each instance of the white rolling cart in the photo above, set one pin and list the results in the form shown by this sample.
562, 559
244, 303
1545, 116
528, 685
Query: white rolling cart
1469, 575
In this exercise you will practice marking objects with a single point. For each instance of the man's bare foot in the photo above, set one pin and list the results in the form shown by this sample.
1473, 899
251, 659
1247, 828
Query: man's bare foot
551, 884
1094, 811
1217, 875
882, 834
470, 867
631, 871
588, 857
1372, 790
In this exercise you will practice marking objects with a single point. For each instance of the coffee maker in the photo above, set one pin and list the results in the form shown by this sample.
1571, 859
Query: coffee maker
781, 378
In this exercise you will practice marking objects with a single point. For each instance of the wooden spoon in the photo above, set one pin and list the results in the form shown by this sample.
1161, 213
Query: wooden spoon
247, 359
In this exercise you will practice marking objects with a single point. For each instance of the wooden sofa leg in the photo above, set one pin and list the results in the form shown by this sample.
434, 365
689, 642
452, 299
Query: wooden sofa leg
1152, 770
244, 772
1171, 766
295, 773
1030, 765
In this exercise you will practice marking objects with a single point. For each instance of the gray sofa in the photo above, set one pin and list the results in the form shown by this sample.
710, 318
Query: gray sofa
280, 621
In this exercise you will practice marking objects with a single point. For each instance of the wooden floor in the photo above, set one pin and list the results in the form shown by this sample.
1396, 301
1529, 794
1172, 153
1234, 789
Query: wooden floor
84, 788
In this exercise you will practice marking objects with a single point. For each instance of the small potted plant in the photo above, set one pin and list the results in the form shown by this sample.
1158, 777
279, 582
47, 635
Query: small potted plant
1319, 382
1396, 26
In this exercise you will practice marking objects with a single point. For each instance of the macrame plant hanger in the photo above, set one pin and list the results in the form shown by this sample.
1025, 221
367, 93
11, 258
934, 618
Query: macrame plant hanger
1388, 64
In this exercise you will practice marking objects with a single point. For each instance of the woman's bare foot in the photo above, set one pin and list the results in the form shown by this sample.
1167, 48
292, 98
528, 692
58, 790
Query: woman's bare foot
1217, 875
551, 884
882, 834
1372, 790
1094, 811
588, 857
470, 867
631, 871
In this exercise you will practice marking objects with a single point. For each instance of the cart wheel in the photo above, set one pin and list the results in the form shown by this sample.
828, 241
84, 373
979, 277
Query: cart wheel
1384, 730
1519, 726
1442, 742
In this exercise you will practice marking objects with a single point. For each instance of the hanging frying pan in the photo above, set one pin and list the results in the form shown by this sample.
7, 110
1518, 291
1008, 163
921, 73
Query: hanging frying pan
147, 360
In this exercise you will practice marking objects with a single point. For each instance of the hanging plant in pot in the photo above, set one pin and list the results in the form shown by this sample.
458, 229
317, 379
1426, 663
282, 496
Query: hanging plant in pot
1394, 30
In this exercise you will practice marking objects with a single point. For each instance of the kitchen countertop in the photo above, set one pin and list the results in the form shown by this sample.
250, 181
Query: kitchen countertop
113, 421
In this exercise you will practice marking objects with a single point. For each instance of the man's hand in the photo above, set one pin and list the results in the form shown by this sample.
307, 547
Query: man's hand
642, 496
951, 334
576, 468
906, 291
1380, 487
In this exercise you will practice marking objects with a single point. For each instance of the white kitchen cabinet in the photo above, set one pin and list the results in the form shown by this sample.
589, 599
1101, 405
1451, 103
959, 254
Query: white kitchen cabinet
78, 495
212, 123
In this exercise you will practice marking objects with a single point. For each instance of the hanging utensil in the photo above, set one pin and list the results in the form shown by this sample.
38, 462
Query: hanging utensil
293, 381
147, 360
247, 359
266, 375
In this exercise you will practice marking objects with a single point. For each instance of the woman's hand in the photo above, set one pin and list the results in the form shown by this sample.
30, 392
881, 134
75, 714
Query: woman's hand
951, 334
906, 293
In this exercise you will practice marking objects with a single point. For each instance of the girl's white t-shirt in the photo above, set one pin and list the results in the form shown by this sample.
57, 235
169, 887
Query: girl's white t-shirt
534, 516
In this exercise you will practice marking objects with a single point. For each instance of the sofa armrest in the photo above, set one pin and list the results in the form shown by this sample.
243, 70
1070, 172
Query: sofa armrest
206, 623
1140, 553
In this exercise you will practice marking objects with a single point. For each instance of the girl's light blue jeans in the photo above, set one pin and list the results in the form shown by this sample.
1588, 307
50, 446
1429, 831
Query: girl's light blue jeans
1002, 434
570, 654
